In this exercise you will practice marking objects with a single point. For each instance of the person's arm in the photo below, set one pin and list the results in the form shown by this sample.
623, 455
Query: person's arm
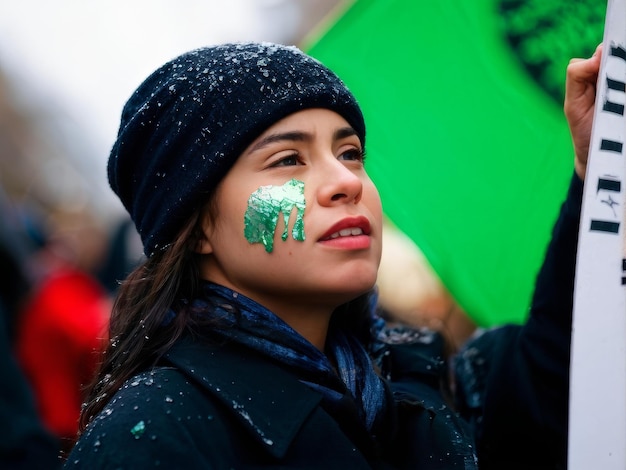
526, 398
523, 413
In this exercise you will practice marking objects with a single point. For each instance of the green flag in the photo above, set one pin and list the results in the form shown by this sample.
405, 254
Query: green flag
467, 141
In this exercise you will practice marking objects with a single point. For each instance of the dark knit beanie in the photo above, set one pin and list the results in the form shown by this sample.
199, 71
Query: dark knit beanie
187, 123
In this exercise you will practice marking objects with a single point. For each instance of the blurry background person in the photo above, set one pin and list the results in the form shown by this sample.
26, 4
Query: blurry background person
25, 443
63, 325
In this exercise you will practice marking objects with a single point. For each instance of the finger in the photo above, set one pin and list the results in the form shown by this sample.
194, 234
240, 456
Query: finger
581, 79
598, 50
583, 69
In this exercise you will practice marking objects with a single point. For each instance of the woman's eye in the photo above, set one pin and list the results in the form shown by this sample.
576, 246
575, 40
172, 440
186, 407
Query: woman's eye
355, 154
290, 160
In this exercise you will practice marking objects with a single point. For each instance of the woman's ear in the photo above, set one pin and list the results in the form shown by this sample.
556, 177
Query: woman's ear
203, 243
203, 246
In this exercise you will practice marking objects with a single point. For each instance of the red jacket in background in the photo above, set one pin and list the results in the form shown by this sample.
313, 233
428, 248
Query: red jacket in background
61, 333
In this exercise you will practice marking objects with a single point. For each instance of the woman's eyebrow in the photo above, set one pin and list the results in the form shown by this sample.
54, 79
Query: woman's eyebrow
298, 136
343, 133
294, 136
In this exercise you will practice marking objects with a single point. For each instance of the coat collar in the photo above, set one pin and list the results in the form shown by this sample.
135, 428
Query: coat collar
271, 403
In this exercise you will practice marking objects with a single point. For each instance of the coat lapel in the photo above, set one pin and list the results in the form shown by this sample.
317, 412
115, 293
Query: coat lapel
267, 400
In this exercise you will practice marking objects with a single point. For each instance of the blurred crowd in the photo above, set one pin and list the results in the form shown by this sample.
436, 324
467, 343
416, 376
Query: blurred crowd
60, 263
58, 279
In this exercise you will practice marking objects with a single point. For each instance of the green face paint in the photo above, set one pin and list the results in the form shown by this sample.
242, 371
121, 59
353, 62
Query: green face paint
264, 206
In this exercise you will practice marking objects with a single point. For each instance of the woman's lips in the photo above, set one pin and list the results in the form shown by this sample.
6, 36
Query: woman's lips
349, 233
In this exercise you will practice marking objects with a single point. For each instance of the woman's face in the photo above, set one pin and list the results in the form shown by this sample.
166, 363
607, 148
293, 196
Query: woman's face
306, 169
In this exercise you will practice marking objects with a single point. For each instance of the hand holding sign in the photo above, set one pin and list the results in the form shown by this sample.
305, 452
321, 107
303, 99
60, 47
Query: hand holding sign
580, 94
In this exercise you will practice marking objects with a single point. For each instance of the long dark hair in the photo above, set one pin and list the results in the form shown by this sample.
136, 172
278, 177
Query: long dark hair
138, 338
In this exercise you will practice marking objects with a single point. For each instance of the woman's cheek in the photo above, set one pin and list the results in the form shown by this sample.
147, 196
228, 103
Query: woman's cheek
264, 208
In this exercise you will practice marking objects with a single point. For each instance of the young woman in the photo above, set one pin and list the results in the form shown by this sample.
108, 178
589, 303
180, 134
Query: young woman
248, 337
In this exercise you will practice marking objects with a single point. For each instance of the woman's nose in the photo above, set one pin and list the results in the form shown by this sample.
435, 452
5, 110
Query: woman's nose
338, 184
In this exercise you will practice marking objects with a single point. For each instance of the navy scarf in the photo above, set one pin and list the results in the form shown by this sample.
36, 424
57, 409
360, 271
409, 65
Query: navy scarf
244, 321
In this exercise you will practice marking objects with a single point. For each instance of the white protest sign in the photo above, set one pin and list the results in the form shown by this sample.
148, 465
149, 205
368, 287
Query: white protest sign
597, 415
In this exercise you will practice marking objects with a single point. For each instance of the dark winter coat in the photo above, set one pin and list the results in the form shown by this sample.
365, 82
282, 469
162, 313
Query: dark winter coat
220, 407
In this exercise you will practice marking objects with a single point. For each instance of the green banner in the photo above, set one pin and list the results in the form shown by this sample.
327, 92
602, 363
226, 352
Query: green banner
467, 141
